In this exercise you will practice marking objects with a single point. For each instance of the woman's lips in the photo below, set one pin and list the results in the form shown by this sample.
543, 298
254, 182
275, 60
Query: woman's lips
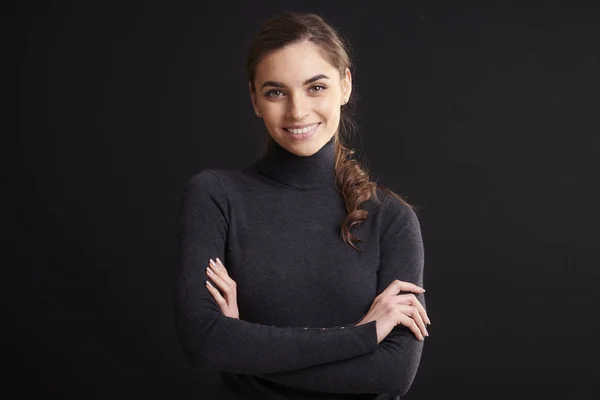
303, 135
300, 126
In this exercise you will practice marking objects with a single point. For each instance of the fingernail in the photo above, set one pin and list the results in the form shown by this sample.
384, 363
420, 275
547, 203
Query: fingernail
212, 263
210, 271
220, 262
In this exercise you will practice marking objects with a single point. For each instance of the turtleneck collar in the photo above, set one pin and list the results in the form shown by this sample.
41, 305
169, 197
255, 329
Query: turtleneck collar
302, 172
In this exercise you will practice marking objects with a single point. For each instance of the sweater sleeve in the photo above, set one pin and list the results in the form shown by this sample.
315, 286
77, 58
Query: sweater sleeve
212, 341
393, 366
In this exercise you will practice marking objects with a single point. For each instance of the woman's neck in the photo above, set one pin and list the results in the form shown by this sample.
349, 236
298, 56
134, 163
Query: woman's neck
306, 172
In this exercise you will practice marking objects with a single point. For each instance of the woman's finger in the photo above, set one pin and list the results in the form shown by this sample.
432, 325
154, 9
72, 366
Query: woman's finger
216, 295
227, 298
222, 280
412, 325
412, 300
220, 263
410, 287
422, 311
216, 266
216, 279
413, 312
231, 289
398, 286
222, 273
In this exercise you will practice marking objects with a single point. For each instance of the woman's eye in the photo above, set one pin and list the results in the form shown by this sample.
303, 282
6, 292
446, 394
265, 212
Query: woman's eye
278, 93
273, 93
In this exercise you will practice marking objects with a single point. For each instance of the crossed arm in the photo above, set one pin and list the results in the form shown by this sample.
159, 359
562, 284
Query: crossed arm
333, 360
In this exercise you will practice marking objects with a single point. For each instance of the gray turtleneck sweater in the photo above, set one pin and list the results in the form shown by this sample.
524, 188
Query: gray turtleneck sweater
300, 287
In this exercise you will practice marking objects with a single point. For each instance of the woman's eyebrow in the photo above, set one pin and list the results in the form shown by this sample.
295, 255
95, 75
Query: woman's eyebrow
306, 82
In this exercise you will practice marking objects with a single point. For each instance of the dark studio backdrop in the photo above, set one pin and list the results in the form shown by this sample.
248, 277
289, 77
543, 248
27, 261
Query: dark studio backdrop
486, 117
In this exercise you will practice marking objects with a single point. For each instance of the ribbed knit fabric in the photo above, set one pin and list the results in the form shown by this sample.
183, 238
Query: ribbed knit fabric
300, 287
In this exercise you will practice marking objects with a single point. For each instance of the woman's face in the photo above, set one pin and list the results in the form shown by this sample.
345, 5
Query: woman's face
299, 95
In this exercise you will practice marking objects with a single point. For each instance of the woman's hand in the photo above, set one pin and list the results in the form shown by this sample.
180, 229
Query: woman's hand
390, 309
218, 274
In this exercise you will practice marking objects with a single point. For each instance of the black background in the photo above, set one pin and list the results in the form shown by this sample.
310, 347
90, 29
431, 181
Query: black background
485, 115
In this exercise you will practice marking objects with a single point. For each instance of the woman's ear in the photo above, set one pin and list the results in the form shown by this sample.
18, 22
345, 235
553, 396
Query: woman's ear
253, 99
252, 96
346, 86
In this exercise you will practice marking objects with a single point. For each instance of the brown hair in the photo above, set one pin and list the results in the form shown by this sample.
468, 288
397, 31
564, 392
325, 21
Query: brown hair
352, 179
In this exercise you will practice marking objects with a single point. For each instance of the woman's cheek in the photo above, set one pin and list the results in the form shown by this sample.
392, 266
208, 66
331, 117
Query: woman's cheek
325, 105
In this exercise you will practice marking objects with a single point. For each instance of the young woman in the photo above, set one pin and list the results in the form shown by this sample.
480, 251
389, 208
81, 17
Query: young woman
300, 277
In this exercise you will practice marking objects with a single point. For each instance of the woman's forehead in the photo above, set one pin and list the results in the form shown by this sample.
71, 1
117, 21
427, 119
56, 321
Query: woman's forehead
294, 65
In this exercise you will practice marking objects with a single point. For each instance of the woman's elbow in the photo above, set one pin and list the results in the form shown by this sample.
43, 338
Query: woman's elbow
193, 346
399, 376
397, 384
406, 377
402, 388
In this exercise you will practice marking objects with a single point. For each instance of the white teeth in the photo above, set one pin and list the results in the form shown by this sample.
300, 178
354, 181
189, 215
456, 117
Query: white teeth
300, 131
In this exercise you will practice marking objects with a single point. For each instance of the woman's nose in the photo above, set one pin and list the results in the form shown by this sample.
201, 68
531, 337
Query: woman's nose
297, 107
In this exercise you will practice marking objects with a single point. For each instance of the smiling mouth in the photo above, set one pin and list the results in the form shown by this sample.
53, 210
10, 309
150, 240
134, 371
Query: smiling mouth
302, 130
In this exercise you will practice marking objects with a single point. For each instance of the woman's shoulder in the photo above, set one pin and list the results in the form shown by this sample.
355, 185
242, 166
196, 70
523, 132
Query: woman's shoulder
211, 178
205, 183
221, 185
391, 202
395, 212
